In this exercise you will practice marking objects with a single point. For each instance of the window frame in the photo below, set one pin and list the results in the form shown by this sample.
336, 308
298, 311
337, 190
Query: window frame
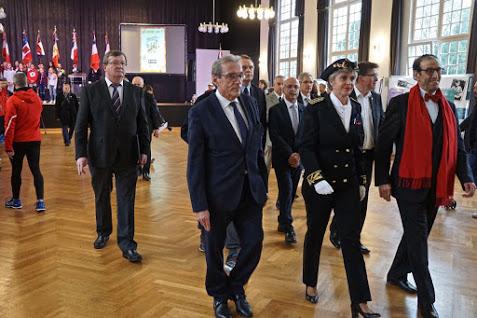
289, 60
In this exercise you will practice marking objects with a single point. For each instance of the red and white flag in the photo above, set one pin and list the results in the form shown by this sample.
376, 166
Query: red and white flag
5, 49
74, 49
40, 50
106, 40
94, 60
56, 52
26, 51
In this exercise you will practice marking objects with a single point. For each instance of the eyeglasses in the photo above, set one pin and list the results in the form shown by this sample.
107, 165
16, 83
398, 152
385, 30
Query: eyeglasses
430, 71
233, 76
375, 76
118, 63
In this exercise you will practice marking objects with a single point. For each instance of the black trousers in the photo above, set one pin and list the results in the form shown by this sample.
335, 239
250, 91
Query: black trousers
147, 167
287, 180
2, 125
247, 219
67, 132
363, 205
345, 203
31, 150
125, 195
417, 215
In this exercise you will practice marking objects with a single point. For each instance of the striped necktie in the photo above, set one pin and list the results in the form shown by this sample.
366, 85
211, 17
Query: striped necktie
115, 99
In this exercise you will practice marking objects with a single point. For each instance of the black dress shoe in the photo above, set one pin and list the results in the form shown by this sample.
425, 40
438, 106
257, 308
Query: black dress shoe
101, 241
356, 312
428, 311
363, 249
132, 255
290, 237
242, 306
221, 309
146, 176
334, 239
311, 298
404, 284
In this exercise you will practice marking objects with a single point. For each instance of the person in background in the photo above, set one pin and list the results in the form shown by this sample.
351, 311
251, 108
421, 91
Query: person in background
32, 76
263, 85
322, 90
42, 81
306, 85
8, 75
66, 110
94, 75
22, 138
62, 78
52, 83
153, 119
150, 90
3, 105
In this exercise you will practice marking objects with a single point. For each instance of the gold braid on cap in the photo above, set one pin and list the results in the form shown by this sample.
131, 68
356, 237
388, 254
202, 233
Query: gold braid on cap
314, 177
346, 64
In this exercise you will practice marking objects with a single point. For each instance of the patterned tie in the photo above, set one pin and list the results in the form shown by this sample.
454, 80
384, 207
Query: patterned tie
295, 119
435, 98
115, 99
240, 122
245, 91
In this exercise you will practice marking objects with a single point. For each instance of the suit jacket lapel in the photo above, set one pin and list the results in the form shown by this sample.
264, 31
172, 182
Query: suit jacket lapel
221, 113
107, 97
286, 114
127, 97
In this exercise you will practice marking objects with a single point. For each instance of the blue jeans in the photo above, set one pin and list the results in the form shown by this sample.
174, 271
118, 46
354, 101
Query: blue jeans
473, 164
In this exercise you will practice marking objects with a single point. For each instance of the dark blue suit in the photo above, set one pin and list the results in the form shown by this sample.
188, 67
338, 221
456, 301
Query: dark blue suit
227, 179
284, 143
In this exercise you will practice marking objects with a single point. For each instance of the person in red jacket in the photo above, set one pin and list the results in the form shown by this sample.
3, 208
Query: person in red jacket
22, 138
32, 76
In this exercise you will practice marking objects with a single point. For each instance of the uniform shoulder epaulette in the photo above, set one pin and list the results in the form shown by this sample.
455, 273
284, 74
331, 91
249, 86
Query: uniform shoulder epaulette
316, 100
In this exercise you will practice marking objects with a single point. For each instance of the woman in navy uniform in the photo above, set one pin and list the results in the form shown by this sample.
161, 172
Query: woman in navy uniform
334, 180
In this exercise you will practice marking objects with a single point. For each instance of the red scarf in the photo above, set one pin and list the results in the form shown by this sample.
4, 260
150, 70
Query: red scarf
415, 170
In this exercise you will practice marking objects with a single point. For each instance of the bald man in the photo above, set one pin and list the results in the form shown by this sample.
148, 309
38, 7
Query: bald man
153, 120
286, 134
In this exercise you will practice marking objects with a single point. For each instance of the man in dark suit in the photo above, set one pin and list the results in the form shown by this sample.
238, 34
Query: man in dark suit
286, 134
429, 152
225, 174
248, 88
372, 114
118, 141
153, 119
306, 84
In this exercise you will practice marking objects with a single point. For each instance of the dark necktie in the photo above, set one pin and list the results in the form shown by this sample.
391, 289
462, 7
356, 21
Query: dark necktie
245, 91
240, 122
115, 99
435, 98
280, 99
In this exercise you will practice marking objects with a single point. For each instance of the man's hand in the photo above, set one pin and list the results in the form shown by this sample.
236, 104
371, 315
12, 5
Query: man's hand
155, 133
294, 160
10, 154
385, 191
203, 217
143, 160
80, 164
362, 192
469, 188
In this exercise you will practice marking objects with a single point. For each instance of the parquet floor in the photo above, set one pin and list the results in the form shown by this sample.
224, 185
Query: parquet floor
48, 267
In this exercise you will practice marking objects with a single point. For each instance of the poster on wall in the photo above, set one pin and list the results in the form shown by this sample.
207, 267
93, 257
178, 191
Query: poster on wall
153, 50
456, 88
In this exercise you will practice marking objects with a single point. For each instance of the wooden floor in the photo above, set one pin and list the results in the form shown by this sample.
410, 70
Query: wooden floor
49, 268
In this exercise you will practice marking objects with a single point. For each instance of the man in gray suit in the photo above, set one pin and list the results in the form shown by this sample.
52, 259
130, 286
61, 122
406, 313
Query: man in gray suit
272, 99
112, 108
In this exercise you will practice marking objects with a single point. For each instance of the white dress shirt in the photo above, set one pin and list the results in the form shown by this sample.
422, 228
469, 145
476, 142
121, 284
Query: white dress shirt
278, 96
344, 111
229, 112
111, 89
367, 117
293, 113
305, 99
431, 106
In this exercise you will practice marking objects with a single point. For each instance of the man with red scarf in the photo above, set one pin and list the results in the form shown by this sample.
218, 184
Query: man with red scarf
429, 153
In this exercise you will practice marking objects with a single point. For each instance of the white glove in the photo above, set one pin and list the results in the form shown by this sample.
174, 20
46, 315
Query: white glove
362, 192
323, 187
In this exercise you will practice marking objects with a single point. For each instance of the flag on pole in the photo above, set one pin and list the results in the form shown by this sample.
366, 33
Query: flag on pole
5, 49
107, 43
26, 51
74, 49
94, 60
40, 50
56, 53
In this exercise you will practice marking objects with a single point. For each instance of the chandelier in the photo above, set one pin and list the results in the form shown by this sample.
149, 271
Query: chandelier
213, 27
255, 11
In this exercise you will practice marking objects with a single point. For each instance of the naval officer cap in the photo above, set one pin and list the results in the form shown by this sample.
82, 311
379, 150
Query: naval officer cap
338, 65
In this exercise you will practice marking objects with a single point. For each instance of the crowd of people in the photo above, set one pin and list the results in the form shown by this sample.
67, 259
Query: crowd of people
328, 135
